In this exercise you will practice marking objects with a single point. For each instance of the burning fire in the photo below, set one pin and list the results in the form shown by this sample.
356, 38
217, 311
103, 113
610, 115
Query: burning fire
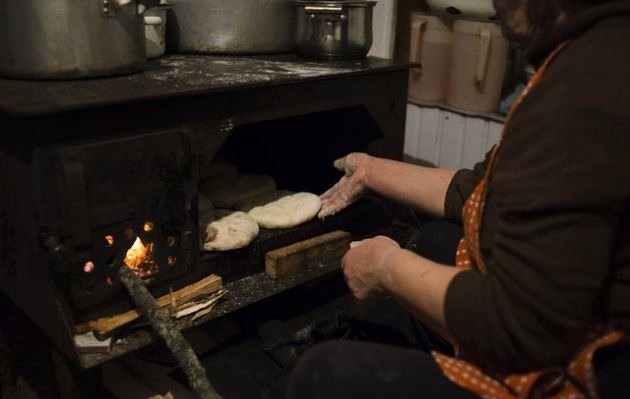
140, 259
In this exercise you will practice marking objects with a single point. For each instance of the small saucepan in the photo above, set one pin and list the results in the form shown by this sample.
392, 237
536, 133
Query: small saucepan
340, 29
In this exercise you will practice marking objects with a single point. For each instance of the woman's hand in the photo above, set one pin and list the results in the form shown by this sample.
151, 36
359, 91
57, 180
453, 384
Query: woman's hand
365, 266
350, 187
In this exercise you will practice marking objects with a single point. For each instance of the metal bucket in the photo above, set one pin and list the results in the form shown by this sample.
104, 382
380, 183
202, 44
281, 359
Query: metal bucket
232, 26
71, 39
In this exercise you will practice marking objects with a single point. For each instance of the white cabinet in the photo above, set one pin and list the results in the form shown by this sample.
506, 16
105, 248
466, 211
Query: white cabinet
447, 138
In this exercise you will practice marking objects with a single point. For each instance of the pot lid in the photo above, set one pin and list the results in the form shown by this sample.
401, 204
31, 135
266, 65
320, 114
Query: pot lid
164, 4
355, 3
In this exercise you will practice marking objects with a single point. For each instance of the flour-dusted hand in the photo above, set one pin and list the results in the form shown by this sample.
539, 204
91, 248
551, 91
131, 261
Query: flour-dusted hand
365, 266
350, 187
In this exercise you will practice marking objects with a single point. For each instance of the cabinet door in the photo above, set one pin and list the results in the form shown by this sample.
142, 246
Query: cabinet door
447, 139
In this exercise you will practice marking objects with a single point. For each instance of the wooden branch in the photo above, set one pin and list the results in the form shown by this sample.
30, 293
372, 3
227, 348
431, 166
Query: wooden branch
164, 325
104, 327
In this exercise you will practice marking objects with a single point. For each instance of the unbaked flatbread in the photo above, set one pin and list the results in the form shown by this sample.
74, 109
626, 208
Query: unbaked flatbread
217, 169
206, 210
233, 231
262, 199
238, 189
287, 212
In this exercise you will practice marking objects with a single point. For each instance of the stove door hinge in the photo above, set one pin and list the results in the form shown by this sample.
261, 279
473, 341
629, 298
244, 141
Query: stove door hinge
74, 197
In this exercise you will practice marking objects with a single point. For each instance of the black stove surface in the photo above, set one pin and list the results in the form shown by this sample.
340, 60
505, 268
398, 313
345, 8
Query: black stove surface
178, 75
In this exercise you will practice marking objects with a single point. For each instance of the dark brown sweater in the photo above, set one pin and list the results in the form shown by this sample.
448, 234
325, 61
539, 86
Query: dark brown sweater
556, 230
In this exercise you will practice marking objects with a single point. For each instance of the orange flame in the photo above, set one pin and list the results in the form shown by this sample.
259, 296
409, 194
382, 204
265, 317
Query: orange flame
140, 260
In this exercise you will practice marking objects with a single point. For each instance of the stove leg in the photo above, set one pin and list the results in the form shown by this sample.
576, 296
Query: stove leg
74, 382
7, 377
3, 312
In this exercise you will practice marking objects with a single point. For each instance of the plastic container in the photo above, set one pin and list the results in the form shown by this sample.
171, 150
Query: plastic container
481, 10
431, 46
478, 66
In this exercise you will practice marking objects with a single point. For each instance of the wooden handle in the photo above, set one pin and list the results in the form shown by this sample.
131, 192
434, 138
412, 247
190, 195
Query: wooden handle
417, 33
484, 53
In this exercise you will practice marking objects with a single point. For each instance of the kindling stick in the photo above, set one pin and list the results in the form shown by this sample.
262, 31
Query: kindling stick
164, 325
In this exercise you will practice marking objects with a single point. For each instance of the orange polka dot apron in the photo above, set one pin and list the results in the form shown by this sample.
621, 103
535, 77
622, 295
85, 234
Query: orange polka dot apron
577, 379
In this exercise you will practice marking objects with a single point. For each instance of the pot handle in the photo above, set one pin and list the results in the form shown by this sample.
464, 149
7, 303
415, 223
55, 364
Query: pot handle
118, 3
152, 20
484, 53
417, 33
109, 7
324, 9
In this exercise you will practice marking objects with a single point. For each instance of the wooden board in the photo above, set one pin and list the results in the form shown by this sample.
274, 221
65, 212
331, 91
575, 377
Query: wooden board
286, 261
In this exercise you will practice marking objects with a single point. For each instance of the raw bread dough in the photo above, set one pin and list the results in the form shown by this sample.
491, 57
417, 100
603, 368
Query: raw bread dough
238, 189
206, 210
232, 230
289, 211
218, 168
216, 174
262, 199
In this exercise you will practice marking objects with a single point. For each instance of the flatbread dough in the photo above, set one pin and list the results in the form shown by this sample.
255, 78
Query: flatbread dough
238, 189
262, 199
232, 231
206, 210
217, 169
287, 212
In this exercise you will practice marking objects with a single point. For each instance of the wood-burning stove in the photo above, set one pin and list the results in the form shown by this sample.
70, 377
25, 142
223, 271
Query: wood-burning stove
98, 199
92, 167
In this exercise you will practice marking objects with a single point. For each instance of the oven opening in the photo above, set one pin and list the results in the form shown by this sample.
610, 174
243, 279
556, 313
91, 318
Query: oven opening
298, 152
278, 158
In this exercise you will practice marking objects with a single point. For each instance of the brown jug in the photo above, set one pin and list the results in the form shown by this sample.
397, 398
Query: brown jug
478, 66
431, 46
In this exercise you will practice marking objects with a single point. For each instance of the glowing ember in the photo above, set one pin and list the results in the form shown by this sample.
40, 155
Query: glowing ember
88, 267
109, 240
140, 260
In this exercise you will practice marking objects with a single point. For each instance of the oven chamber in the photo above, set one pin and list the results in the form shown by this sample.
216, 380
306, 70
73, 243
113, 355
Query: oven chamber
95, 198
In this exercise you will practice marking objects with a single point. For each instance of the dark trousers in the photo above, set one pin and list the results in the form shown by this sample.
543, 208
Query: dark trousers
348, 369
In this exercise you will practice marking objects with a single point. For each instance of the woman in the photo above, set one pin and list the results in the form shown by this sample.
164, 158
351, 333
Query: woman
539, 304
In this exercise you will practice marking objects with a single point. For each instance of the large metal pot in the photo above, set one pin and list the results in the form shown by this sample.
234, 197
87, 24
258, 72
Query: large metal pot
71, 39
340, 29
232, 26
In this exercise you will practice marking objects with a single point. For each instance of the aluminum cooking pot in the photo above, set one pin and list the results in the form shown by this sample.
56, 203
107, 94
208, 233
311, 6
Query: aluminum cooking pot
232, 26
339, 29
71, 39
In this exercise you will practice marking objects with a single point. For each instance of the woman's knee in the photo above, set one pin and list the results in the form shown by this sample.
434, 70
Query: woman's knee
312, 370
